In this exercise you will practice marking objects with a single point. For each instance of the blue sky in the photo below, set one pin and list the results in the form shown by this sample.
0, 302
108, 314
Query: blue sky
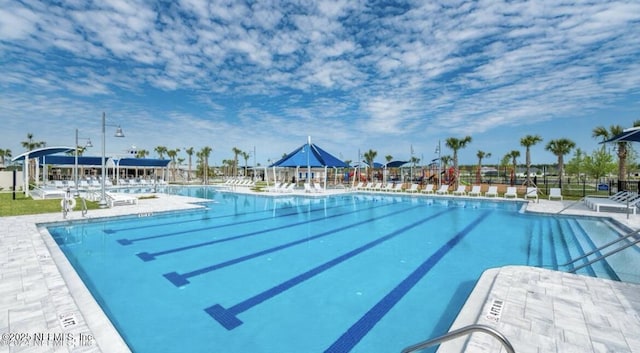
353, 75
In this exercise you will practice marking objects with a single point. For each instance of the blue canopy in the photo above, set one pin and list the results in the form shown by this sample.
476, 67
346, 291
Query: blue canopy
39, 152
302, 158
70, 160
142, 162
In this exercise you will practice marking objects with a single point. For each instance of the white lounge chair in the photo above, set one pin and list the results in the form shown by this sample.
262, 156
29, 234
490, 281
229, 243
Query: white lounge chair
307, 187
389, 187
512, 191
492, 191
121, 199
317, 187
630, 205
428, 189
555, 193
475, 190
413, 188
397, 187
531, 193
461, 190
444, 190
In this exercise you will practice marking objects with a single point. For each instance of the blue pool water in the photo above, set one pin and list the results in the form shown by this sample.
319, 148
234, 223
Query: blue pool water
356, 273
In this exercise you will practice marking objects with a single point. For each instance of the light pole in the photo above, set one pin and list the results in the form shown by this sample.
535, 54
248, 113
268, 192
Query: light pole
75, 169
103, 198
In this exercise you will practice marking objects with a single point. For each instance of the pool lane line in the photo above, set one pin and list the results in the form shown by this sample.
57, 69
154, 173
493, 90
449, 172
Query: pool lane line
180, 280
146, 256
361, 328
125, 241
228, 317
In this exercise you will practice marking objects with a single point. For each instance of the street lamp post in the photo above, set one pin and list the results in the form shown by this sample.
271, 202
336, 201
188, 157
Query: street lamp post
103, 197
75, 169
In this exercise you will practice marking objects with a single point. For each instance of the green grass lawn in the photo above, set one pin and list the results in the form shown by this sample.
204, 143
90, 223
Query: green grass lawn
26, 205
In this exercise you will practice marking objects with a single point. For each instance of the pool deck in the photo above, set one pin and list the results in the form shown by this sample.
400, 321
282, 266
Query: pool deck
45, 307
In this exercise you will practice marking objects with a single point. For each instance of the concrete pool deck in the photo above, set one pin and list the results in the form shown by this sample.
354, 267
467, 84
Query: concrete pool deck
45, 307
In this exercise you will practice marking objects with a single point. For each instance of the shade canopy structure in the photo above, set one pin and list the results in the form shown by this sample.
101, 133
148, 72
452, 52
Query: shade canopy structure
39, 152
316, 158
142, 162
628, 135
396, 164
70, 160
35, 154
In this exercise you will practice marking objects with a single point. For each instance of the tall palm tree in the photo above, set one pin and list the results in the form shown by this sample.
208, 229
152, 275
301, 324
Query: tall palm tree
29, 145
481, 155
455, 144
172, 154
204, 156
614, 130
245, 156
514, 154
369, 156
560, 147
189, 152
236, 152
527, 142
4, 153
160, 150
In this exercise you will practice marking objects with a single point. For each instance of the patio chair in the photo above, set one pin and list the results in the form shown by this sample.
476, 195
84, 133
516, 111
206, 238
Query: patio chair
428, 189
444, 190
555, 193
475, 190
531, 193
512, 191
413, 188
492, 191
461, 190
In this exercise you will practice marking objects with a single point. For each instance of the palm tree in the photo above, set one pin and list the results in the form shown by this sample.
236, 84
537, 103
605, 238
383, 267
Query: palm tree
4, 153
559, 148
614, 130
142, 154
527, 142
455, 144
245, 156
172, 154
29, 145
481, 155
513, 155
369, 156
204, 157
236, 152
189, 152
161, 150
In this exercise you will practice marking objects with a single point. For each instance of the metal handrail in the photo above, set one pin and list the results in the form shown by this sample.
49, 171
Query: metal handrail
84, 206
570, 205
603, 247
462, 332
605, 255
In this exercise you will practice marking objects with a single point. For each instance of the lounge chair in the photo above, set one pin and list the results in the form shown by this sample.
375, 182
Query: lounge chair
475, 190
492, 191
397, 187
618, 196
389, 187
444, 190
428, 189
317, 187
512, 191
359, 186
275, 187
307, 187
461, 191
532, 193
121, 199
555, 193
630, 204
413, 188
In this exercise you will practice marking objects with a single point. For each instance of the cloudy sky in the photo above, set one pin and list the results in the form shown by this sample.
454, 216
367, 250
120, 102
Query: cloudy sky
391, 76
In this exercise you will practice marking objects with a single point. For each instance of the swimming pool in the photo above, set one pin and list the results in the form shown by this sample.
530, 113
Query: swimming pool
349, 273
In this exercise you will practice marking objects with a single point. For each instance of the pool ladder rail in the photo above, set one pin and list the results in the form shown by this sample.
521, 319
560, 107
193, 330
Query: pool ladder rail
603, 256
467, 330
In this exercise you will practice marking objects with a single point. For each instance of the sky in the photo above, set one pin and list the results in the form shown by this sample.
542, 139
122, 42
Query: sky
396, 77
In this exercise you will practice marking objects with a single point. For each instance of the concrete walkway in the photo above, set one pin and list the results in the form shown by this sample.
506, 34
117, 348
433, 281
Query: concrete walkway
45, 307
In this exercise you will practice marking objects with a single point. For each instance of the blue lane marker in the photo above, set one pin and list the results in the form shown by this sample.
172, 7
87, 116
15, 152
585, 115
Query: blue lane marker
180, 280
354, 334
146, 256
230, 224
228, 317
